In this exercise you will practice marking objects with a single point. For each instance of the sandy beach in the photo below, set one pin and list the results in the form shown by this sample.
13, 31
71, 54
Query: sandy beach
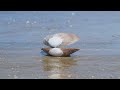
22, 33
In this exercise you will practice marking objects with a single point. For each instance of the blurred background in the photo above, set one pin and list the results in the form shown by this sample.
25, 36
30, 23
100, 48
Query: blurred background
22, 33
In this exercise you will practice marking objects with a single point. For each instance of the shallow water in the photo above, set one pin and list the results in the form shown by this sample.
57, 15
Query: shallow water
21, 35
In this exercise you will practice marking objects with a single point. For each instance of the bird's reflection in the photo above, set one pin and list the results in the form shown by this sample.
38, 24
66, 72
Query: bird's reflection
58, 67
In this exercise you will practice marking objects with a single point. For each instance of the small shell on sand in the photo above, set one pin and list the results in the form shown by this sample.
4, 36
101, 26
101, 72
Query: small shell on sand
66, 51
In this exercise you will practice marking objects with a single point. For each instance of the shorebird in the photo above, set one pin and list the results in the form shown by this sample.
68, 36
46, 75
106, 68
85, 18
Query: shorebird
57, 42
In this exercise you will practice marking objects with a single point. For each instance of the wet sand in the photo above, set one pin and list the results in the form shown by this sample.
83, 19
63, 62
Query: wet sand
28, 64
21, 35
